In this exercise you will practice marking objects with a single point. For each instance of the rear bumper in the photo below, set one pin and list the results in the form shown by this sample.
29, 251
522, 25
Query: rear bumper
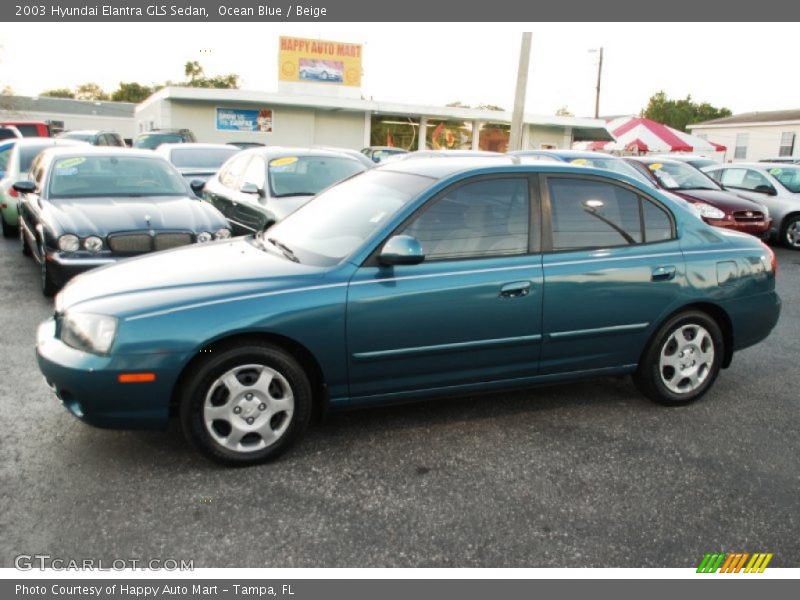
753, 318
88, 387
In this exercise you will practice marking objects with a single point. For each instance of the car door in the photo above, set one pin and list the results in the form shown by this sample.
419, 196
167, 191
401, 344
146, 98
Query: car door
249, 208
222, 190
613, 266
470, 313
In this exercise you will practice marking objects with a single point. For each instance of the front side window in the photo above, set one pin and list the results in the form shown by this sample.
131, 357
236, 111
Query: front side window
594, 214
745, 179
480, 219
255, 173
229, 176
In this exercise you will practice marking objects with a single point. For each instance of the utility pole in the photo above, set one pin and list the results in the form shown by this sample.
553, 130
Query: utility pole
599, 75
515, 140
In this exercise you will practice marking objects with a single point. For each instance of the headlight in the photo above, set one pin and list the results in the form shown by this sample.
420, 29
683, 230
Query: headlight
203, 237
88, 332
69, 243
708, 211
222, 234
93, 244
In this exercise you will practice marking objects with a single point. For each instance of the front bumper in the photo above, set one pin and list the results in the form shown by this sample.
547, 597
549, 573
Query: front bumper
87, 384
760, 229
62, 268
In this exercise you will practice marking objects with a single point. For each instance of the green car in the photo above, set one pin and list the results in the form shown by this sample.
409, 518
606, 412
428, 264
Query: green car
16, 157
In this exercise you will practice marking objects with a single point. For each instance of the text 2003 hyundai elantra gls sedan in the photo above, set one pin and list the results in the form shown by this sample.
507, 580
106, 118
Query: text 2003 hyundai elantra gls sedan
419, 278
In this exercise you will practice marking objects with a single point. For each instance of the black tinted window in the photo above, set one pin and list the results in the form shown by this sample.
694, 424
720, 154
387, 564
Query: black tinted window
657, 224
485, 218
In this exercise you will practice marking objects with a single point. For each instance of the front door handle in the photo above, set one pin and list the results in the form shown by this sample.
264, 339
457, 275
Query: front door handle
663, 273
518, 289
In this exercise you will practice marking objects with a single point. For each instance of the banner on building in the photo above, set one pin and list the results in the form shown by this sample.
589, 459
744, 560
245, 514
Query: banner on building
319, 61
258, 120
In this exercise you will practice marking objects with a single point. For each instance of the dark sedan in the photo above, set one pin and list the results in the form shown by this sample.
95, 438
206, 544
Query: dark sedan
259, 187
711, 201
85, 207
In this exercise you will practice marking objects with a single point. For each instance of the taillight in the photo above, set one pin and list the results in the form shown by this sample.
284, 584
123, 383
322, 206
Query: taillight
773, 260
13, 193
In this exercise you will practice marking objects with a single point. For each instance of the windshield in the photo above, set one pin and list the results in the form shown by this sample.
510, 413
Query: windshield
200, 158
617, 165
788, 177
308, 175
127, 176
679, 176
151, 141
340, 219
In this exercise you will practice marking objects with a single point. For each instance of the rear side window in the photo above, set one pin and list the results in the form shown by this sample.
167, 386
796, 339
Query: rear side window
594, 214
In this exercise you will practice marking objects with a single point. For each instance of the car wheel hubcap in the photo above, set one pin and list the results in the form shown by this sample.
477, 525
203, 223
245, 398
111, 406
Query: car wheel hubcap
793, 234
686, 359
248, 408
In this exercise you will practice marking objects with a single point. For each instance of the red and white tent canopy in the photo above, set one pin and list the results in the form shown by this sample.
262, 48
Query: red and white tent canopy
637, 134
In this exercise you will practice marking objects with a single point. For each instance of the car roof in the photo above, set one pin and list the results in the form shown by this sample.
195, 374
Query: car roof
565, 153
197, 146
86, 131
83, 149
756, 165
649, 160
50, 141
271, 152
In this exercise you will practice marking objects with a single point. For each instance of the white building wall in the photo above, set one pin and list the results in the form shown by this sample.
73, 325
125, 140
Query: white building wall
547, 137
763, 140
340, 129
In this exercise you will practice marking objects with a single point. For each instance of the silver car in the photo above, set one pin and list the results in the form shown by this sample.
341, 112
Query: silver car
775, 185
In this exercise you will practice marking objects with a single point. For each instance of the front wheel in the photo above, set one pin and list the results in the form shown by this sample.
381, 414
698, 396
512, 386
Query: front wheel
49, 287
23, 242
682, 360
245, 403
790, 232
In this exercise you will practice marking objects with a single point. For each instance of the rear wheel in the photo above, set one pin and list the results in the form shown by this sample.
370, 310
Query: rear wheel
245, 404
790, 232
682, 360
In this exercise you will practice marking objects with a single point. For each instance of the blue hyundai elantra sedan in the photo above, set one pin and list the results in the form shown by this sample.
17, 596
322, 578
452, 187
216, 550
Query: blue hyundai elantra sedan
415, 279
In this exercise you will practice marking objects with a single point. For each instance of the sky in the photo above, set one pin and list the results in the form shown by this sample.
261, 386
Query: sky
742, 66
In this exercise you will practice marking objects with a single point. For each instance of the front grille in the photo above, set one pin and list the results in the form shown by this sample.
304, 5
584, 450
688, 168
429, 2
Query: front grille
165, 241
748, 216
130, 243
139, 243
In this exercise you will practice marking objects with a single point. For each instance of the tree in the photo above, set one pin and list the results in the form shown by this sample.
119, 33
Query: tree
197, 77
90, 91
59, 93
131, 92
679, 113
564, 112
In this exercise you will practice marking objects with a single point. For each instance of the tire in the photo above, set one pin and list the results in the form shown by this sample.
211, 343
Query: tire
49, 287
26, 250
673, 379
231, 413
790, 232
8, 230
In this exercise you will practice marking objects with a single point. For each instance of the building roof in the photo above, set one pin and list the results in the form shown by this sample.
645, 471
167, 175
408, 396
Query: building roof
583, 128
68, 106
769, 116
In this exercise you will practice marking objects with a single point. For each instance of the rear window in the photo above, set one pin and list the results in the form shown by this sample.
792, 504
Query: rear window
201, 158
28, 152
308, 175
31, 130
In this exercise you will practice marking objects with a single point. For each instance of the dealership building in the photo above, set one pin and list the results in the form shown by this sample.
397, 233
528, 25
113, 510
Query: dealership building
295, 119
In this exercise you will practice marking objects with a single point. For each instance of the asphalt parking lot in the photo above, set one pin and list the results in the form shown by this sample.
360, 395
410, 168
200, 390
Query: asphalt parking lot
588, 474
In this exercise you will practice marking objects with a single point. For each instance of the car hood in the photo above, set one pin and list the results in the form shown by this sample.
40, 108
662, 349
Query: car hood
185, 275
724, 200
101, 216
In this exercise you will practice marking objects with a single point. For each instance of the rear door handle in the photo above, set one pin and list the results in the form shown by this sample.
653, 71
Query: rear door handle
518, 289
663, 273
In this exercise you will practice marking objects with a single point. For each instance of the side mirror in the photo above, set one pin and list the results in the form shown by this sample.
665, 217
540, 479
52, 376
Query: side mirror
401, 250
766, 189
24, 187
249, 188
197, 186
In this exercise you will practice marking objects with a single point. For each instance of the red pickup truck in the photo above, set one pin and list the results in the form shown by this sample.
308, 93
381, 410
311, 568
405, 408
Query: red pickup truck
29, 128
